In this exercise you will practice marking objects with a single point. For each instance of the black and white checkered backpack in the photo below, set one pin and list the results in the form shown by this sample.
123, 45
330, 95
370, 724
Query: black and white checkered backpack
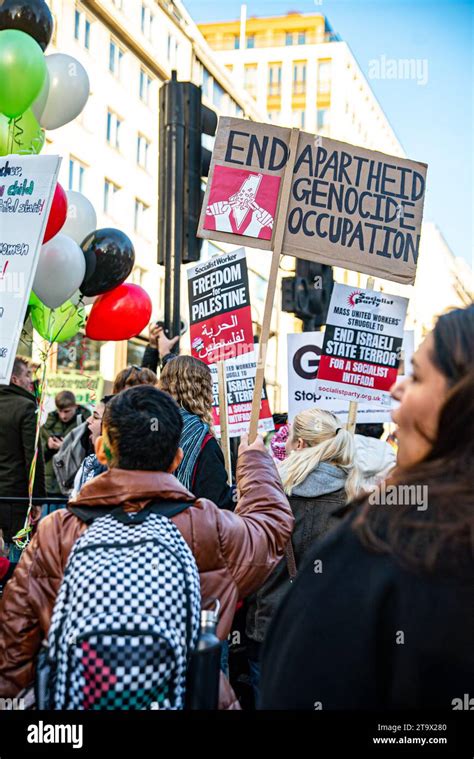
126, 616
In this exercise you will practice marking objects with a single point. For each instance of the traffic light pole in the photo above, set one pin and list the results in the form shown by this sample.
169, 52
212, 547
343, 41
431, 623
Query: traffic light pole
173, 206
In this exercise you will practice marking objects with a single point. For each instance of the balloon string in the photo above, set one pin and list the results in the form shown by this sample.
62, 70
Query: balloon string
23, 536
17, 131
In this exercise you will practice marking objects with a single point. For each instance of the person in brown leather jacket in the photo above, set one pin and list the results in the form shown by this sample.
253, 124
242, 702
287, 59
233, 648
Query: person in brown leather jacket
235, 551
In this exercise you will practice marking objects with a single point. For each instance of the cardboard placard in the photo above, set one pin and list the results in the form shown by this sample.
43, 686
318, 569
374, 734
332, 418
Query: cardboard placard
27, 185
350, 207
304, 352
362, 344
240, 380
219, 308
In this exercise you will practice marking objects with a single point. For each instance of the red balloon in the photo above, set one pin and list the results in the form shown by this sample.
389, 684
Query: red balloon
120, 314
57, 215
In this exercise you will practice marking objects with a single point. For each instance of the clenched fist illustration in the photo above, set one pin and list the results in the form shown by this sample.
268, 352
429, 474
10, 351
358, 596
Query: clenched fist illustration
221, 212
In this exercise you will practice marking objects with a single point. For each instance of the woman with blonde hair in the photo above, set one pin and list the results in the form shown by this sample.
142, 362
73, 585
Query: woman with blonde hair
202, 470
319, 476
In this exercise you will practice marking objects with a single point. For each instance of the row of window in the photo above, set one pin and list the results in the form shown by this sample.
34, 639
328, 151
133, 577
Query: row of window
113, 136
299, 118
291, 38
274, 77
77, 173
82, 23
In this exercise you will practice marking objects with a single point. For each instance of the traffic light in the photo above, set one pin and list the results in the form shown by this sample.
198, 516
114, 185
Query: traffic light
183, 163
307, 295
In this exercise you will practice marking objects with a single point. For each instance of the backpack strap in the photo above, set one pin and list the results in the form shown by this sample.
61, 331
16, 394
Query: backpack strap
165, 508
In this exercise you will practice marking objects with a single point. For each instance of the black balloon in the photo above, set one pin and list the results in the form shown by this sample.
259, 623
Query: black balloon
110, 258
30, 16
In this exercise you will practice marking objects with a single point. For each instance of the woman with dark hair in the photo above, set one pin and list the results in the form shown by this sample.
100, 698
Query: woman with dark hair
202, 470
382, 614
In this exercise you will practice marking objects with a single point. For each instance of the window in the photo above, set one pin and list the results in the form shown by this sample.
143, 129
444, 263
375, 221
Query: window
323, 118
236, 42
274, 79
110, 191
274, 116
295, 38
250, 79
251, 41
113, 129
77, 171
118, 4
324, 76
299, 118
206, 82
172, 50
115, 58
218, 95
147, 20
82, 28
299, 78
140, 210
142, 151
145, 86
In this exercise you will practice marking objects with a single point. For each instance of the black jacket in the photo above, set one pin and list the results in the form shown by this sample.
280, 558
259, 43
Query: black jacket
322, 495
18, 415
359, 631
210, 479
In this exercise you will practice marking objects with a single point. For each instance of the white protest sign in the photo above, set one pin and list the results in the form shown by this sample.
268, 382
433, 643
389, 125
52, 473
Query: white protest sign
304, 352
362, 344
240, 380
27, 185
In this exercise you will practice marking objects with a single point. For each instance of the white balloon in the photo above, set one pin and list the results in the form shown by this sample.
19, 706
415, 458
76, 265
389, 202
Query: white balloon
61, 269
64, 93
81, 217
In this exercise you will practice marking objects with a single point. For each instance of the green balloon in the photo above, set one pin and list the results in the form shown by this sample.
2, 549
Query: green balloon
22, 135
22, 71
59, 324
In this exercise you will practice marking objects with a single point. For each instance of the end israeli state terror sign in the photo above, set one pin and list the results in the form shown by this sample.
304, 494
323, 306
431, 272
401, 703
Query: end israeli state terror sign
350, 207
219, 307
362, 344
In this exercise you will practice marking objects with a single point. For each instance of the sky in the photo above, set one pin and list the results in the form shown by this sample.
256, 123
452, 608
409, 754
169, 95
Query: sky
432, 114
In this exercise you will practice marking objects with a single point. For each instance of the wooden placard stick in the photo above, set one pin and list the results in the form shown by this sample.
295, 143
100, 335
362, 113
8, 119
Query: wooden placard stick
352, 416
223, 416
272, 280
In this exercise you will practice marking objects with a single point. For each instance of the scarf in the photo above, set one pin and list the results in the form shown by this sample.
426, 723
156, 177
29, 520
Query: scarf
192, 436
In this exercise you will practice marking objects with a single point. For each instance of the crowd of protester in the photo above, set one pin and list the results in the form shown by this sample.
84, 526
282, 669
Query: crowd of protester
347, 600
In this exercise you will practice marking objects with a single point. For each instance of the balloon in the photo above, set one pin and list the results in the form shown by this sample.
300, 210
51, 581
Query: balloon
61, 269
22, 72
81, 300
59, 324
110, 258
81, 217
64, 93
23, 136
57, 214
119, 314
30, 16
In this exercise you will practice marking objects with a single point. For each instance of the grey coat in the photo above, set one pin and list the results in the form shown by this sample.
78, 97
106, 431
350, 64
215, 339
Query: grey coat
314, 503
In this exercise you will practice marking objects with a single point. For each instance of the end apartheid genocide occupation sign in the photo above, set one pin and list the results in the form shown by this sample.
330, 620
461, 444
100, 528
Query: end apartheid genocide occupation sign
350, 207
219, 307
362, 345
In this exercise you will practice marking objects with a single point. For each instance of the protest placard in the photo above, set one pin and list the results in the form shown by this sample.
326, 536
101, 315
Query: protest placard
362, 344
348, 206
304, 352
27, 186
240, 376
219, 307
